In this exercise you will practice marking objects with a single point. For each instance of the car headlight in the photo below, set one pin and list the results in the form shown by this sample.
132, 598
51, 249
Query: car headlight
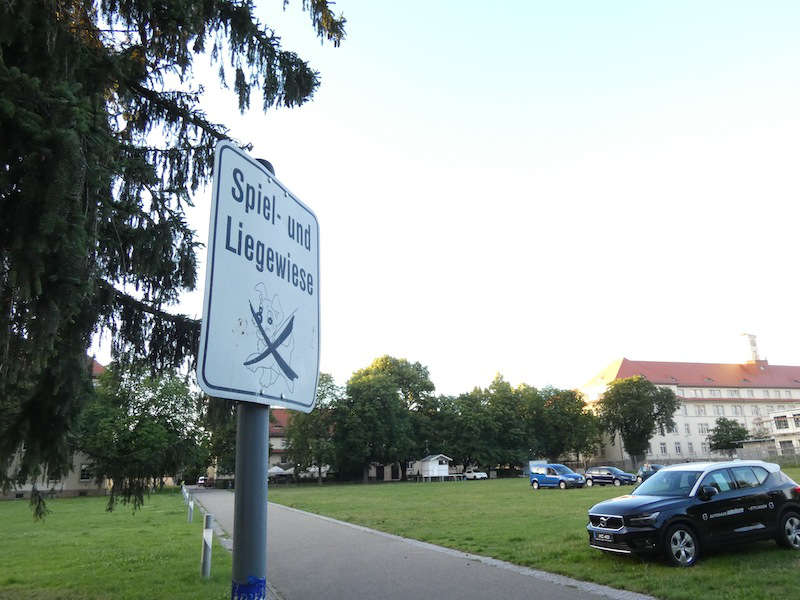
643, 520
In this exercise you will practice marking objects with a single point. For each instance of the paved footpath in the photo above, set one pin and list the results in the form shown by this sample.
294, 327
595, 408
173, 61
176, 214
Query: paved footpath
312, 557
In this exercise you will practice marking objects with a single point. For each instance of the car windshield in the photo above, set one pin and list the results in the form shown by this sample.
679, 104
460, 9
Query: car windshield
562, 470
668, 483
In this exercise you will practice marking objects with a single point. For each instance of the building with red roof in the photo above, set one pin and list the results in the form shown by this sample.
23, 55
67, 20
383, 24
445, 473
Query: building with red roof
278, 423
749, 393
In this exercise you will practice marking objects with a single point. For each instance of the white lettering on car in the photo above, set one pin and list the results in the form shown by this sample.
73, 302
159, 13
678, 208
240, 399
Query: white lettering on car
727, 513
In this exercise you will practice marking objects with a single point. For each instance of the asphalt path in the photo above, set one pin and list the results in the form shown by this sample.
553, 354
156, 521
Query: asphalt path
311, 557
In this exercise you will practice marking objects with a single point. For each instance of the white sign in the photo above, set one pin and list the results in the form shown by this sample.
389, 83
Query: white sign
259, 340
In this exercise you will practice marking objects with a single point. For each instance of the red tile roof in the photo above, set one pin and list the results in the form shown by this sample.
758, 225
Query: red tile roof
753, 374
282, 416
97, 368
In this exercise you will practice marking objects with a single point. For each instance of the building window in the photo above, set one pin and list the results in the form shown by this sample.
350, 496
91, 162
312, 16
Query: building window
664, 448
719, 410
733, 393
685, 410
688, 428
751, 394
86, 472
787, 393
700, 410
766, 393
698, 393
737, 410
678, 448
781, 422
690, 447
770, 408
703, 427
755, 411
705, 447
797, 421
777, 393
672, 429
714, 393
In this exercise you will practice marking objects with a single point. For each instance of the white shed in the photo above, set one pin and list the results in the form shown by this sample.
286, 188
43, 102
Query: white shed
435, 465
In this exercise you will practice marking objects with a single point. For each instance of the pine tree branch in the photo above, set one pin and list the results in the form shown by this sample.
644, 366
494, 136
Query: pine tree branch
176, 109
128, 300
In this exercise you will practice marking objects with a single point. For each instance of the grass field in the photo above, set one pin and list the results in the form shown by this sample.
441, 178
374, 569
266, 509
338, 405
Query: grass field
80, 551
545, 529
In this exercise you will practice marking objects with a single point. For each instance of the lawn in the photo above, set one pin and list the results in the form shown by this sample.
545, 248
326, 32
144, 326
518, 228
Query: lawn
545, 530
80, 551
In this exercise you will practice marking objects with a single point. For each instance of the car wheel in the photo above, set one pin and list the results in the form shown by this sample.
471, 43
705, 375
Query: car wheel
639, 479
681, 546
589, 483
562, 485
789, 530
535, 484
617, 482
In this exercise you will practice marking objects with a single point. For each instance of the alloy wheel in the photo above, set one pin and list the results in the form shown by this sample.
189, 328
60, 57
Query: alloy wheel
682, 547
792, 531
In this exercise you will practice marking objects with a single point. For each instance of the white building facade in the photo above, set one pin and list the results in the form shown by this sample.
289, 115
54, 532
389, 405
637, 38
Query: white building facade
750, 393
785, 430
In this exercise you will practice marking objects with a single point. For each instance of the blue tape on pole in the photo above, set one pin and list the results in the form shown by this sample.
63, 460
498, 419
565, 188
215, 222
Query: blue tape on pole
254, 589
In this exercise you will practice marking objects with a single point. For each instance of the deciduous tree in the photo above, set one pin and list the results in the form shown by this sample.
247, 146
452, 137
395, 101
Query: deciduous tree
634, 408
371, 424
725, 434
469, 437
310, 435
563, 424
415, 388
138, 429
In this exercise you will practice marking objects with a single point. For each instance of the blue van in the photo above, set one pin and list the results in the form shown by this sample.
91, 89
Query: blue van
554, 475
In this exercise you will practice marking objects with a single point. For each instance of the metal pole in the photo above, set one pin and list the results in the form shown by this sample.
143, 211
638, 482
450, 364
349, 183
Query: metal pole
249, 580
191, 511
208, 536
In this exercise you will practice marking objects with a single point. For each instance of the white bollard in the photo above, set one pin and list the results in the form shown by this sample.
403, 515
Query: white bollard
191, 510
208, 536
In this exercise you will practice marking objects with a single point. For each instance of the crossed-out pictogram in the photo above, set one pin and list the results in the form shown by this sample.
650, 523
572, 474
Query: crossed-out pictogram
272, 347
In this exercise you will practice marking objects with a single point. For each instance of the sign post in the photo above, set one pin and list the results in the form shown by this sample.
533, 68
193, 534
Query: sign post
259, 340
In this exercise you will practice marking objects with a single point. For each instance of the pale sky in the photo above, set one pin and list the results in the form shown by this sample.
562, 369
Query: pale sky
539, 188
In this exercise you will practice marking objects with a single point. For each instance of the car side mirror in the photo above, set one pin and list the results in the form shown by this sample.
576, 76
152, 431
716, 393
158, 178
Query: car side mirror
706, 492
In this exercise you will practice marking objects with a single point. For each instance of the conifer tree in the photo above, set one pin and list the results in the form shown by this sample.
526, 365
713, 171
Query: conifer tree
102, 142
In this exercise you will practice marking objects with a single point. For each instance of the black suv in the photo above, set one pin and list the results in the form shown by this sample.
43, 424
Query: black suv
608, 476
682, 509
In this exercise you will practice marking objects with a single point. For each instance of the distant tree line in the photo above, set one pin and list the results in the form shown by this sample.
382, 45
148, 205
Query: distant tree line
388, 413
138, 428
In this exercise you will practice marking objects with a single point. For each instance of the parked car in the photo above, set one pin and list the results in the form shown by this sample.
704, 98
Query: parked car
473, 474
684, 509
554, 475
645, 471
608, 476
201, 481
